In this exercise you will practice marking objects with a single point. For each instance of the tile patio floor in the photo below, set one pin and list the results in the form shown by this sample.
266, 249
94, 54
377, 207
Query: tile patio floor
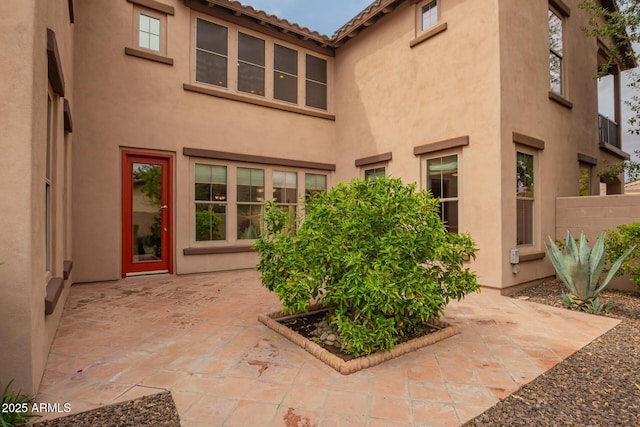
198, 337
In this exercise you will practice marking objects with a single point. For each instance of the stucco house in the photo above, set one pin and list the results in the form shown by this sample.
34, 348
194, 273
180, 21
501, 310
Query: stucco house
144, 136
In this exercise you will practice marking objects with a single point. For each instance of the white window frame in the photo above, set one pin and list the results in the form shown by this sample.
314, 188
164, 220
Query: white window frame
458, 182
375, 167
232, 197
431, 4
557, 54
162, 19
534, 215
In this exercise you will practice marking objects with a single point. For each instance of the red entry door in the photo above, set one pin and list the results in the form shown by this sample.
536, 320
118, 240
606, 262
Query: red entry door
147, 213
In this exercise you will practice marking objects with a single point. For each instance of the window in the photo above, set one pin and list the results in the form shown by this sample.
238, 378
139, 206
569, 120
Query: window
555, 53
442, 181
251, 64
314, 184
285, 74
251, 197
374, 173
285, 194
48, 184
149, 32
316, 84
584, 183
211, 53
429, 15
524, 198
211, 202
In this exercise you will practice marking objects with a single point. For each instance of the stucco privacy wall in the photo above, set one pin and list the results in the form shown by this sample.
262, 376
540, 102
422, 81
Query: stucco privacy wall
593, 215
27, 333
130, 102
401, 97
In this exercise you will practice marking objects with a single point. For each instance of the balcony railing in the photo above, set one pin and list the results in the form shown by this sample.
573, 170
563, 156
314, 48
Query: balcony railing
608, 131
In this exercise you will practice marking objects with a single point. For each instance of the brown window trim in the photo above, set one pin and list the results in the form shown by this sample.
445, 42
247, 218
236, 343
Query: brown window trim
261, 102
583, 158
54, 290
528, 141
218, 250
68, 124
155, 5
247, 158
385, 157
561, 7
54, 64
430, 33
446, 144
139, 53
532, 256
614, 150
71, 14
67, 266
560, 100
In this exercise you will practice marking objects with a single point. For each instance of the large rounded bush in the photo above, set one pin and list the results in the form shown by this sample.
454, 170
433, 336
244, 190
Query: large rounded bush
376, 253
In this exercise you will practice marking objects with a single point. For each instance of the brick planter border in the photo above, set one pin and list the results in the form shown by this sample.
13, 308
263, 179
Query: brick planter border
348, 367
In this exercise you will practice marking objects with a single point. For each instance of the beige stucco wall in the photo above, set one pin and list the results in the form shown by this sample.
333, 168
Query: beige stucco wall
27, 333
593, 216
130, 102
527, 109
395, 98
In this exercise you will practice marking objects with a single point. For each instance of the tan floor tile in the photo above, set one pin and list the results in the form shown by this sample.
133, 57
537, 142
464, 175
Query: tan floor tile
164, 379
210, 410
389, 408
388, 423
252, 414
296, 417
184, 400
266, 393
429, 391
347, 403
342, 420
435, 414
471, 395
306, 397
389, 387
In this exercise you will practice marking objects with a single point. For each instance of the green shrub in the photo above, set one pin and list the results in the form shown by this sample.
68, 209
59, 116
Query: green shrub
618, 241
580, 269
16, 408
376, 253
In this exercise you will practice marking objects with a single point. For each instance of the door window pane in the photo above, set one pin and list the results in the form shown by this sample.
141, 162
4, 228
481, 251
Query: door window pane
147, 212
525, 198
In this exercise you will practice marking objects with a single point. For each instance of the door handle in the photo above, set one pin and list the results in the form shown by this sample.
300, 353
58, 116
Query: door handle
164, 207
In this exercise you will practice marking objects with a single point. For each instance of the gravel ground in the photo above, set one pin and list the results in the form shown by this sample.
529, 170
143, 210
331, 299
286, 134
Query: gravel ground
597, 386
157, 410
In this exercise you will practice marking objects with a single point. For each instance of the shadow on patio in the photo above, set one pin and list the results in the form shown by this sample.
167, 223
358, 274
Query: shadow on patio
198, 336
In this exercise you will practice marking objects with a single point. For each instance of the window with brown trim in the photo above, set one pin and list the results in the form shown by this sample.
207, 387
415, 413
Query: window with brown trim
442, 181
525, 198
316, 87
556, 52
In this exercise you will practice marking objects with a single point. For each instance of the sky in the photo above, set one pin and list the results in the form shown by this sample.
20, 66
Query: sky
323, 16
326, 16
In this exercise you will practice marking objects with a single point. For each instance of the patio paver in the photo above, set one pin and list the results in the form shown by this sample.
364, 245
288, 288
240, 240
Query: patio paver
198, 336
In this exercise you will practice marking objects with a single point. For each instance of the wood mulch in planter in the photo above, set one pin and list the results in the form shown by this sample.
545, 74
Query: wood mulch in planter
298, 329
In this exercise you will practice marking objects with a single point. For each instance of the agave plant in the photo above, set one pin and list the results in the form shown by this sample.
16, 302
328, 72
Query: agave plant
580, 269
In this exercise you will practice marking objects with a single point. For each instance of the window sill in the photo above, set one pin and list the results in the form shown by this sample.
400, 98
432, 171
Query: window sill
604, 146
148, 55
217, 250
532, 256
560, 100
431, 32
54, 290
261, 102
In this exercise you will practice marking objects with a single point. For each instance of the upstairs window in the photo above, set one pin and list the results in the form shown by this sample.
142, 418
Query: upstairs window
251, 64
212, 53
316, 87
429, 15
285, 74
149, 32
556, 67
